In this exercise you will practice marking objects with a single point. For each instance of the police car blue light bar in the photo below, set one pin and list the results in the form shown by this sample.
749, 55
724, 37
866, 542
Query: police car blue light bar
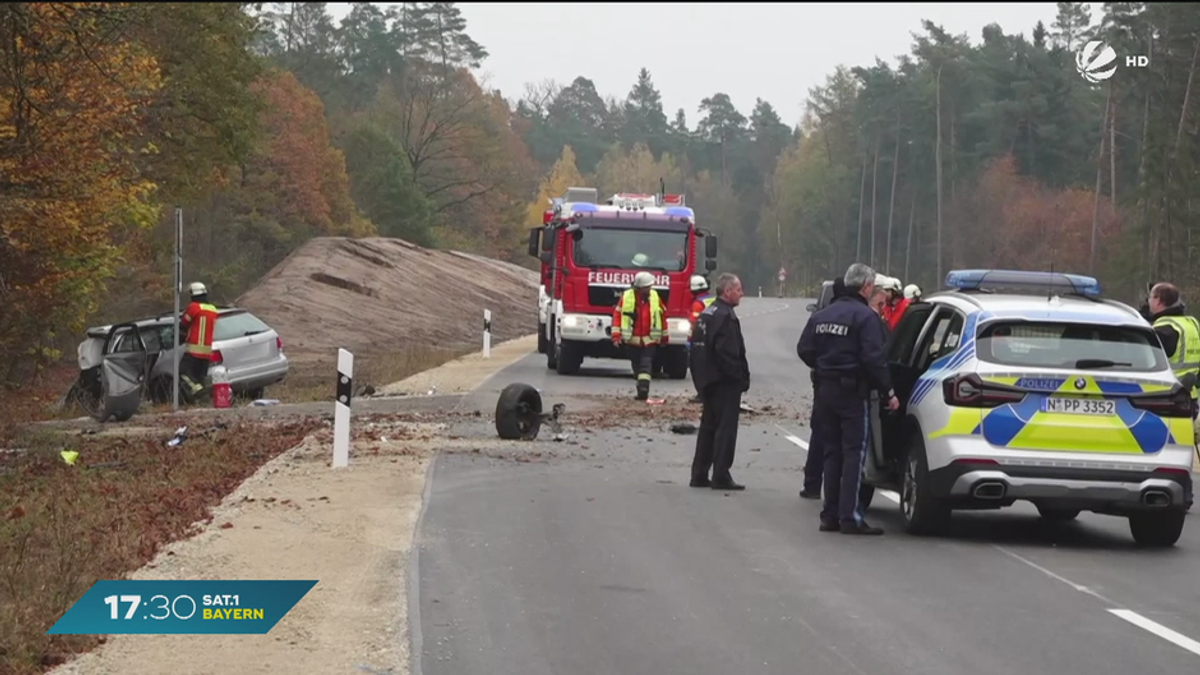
1037, 282
682, 211
584, 207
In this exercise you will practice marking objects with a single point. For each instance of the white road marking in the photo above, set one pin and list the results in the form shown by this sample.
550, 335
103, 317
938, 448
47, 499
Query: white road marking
793, 438
1158, 629
1079, 587
1128, 615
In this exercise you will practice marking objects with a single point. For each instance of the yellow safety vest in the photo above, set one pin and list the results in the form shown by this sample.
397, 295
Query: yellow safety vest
1186, 359
629, 312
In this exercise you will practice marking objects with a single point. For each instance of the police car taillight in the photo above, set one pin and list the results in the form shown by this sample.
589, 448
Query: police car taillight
1177, 403
969, 391
216, 359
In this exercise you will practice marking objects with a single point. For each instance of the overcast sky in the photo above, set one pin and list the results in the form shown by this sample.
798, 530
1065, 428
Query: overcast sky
747, 50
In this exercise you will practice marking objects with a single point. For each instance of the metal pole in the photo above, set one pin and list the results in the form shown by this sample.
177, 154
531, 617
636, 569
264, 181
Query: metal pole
178, 274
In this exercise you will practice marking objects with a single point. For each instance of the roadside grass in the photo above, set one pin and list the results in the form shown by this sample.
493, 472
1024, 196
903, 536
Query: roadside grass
64, 527
315, 379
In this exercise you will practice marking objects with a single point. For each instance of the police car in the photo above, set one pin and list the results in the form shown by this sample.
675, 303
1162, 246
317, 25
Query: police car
1031, 386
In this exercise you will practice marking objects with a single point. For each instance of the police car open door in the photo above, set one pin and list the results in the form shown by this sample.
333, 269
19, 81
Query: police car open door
885, 425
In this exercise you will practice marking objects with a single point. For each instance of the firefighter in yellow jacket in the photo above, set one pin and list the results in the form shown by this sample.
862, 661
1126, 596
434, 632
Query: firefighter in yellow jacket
639, 324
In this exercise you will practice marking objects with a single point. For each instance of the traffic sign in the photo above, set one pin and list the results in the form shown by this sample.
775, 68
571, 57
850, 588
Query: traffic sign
782, 274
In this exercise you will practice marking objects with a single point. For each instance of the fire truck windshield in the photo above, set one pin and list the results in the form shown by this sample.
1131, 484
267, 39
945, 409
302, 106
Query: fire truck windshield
632, 249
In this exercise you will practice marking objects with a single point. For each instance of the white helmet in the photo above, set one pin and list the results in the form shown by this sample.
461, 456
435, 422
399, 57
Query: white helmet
912, 291
641, 260
887, 283
699, 283
197, 288
643, 280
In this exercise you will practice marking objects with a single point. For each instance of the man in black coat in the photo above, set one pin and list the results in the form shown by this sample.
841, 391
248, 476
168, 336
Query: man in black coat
724, 375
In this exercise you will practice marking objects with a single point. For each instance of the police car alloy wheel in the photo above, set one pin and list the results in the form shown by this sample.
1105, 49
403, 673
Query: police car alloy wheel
923, 514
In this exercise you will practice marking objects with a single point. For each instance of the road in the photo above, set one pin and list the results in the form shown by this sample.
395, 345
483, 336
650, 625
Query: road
609, 563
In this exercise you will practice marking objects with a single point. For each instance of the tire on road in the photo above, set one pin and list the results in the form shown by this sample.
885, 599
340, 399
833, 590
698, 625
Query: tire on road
923, 513
519, 412
675, 362
1157, 530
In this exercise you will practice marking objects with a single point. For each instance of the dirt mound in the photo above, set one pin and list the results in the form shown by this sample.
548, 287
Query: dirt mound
383, 295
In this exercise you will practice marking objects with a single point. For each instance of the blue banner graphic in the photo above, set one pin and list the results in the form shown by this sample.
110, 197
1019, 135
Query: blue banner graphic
182, 607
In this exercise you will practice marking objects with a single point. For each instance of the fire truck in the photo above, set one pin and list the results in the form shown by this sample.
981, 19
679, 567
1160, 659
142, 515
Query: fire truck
590, 252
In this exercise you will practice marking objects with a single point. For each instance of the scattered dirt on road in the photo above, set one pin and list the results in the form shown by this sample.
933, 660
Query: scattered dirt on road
382, 295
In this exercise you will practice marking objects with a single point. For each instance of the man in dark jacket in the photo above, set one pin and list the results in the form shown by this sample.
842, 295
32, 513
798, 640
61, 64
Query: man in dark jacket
845, 344
814, 463
724, 375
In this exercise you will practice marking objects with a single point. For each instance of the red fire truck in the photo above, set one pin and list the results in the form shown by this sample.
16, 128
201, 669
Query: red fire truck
590, 252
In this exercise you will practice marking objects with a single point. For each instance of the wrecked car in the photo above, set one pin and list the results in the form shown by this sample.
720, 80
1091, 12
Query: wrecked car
250, 352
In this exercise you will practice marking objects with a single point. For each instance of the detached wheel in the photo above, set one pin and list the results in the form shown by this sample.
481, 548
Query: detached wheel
923, 513
519, 412
1157, 530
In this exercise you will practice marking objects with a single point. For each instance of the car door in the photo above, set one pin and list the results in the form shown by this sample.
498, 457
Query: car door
901, 348
122, 373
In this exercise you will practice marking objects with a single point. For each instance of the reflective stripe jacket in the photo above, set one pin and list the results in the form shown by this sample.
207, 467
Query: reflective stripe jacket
1185, 360
639, 323
200, 321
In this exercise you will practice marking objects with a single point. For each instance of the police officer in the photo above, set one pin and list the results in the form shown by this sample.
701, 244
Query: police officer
814, 464
845, 344
1179, 334
724, 375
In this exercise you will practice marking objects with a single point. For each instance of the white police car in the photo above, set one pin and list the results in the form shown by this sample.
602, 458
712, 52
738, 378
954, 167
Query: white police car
1030, 386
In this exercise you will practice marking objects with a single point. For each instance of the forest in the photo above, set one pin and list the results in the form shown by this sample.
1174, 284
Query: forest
270, 124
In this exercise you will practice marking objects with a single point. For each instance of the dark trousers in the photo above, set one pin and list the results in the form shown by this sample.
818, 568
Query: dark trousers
642, 359
192, 373
814, 464
717, 439
843, 430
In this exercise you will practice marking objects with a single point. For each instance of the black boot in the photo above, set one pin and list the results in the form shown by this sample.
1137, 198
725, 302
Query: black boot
643, 390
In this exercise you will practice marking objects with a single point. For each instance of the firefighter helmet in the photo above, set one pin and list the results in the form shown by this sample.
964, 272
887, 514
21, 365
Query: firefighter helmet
643, 280
912, 291
197, 288
699, 283
641, 260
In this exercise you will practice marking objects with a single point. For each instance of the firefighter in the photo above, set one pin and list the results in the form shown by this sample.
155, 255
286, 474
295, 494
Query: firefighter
701, 299
894, 302
912, 293
639, 324
845, 344
1179, 334
198, 323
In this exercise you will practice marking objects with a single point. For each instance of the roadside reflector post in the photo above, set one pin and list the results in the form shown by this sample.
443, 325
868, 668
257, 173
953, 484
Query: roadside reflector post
487, 333
341, 410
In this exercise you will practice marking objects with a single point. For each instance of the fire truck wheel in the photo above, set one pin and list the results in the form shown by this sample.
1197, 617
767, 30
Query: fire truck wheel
519, 412
676, 366
570, 357
543, 343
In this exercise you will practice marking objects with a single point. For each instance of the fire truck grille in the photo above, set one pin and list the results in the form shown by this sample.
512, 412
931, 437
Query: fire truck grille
607, 296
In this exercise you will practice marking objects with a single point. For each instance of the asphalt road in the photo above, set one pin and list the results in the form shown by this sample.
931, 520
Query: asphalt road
606, 562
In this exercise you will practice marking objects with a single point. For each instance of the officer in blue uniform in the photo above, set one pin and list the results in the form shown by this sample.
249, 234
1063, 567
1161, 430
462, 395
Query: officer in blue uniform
814, 464
845, 344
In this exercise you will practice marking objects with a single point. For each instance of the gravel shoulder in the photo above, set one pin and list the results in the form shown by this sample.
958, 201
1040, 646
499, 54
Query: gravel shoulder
296, 518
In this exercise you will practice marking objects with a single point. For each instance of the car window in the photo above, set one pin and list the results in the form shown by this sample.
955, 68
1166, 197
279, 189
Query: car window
230, 326
826, 295
1070, 345
904, 339
941, 339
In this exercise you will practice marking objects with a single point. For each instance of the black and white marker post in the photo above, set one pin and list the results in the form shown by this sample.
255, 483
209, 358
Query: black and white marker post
487, 333
341, 410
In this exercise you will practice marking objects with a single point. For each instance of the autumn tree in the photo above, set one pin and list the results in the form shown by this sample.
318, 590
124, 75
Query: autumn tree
74, 89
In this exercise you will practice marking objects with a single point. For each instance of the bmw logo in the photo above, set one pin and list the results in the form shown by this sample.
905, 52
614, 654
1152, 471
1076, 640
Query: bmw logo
1080, 383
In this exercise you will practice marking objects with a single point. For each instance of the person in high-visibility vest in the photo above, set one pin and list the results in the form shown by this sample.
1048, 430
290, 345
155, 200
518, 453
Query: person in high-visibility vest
639, 324
1180, 336
198, 323
702, 297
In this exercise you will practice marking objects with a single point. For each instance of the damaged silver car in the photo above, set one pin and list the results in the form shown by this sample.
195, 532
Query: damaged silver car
122, 364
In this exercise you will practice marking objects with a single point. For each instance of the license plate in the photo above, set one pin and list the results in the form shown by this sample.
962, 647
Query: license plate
1079, 406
